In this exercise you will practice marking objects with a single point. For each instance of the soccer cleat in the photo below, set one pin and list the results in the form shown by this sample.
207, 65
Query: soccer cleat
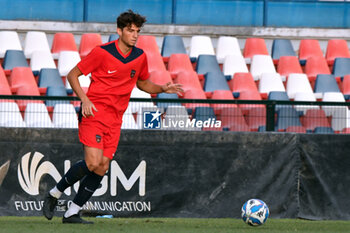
75, 219
49, 205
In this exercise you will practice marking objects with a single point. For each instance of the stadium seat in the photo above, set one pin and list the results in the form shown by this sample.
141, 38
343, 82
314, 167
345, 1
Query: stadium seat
9, 40
305, 96
281, 48
64, 116
14, 58
63, 41
261, 64
242, 82
4, 85
315, 66
150, 47
165, 105
279, 95
37, 116
270, 82
339, 113
41, 59
324, 130
314, 118
207, 63
214, 80
35, 41
336, 48
201, 45
204, 113
297, 83
50, 77
194, 94
232, 119
67, 60
227, 45
254, 46
172, 44
341, 67
10, 115
309, 48
256, 117
188, 80
160, 77
325, 83
288, 65
113, 37
221, 95
58, 91
88, 41
129, 121
179, 63
346, 87
234, 64
287, 117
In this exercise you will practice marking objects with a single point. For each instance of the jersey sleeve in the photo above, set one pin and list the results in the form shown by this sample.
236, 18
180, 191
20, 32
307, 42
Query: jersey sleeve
144, 74
91, 62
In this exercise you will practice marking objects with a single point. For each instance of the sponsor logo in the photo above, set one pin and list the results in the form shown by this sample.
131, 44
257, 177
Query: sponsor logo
152, 120
111, 71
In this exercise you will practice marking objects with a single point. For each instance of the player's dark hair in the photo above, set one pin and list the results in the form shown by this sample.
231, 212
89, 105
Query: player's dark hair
127, 18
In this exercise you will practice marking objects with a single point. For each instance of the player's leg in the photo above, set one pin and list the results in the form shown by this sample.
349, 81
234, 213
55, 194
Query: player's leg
98, 165
74, 174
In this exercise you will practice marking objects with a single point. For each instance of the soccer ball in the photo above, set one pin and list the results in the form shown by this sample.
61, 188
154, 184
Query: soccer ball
255, 212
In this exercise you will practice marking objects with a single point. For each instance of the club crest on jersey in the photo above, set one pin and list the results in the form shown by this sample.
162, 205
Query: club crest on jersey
98, 138
132, 73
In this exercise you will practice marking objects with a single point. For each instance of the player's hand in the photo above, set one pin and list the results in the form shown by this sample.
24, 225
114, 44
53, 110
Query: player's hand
88, 108
173, 88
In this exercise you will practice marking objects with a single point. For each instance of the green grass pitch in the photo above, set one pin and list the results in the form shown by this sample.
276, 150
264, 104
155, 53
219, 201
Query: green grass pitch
169, 225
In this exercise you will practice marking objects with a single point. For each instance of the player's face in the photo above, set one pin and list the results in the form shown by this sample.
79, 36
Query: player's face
129, 35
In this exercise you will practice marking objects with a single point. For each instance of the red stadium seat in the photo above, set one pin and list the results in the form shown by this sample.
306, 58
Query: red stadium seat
242, 82
88, 41
22, 79
197, 93
221, 95
63, 41
179, 63
233, 119
314, 66
296, 129
256, 117
336, 48
4, 85
150, 47
189, 80
314, 118
254, 46
287, 65
309, 48
160, 77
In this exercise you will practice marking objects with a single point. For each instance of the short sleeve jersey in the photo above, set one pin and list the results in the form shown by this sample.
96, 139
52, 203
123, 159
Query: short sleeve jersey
112, 72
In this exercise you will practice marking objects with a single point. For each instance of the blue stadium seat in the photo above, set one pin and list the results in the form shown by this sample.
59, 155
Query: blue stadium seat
113, 37
50, 77
215, 80
207, 63
204, 113
324, 130
172, 45
326, 83
341, 67
56, 91
14, 58
166, 104
287, 117
279, 95
282, 47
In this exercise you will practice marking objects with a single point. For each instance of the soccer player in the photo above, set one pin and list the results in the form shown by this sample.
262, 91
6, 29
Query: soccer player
115, 68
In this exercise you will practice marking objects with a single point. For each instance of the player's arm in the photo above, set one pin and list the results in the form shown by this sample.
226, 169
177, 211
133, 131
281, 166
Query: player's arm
87, 106
152, 88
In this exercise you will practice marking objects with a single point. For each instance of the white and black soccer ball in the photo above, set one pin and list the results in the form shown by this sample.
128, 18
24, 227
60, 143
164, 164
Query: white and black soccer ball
255, 212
